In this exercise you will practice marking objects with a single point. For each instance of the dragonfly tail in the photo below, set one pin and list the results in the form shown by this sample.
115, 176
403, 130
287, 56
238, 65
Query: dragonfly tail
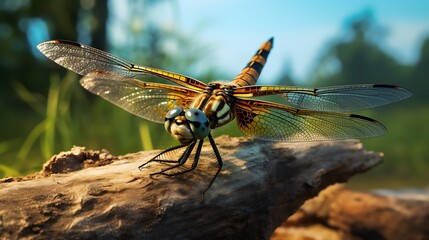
250, 73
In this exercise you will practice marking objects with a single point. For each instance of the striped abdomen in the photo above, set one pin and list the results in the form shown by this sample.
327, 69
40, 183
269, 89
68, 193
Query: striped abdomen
250, 74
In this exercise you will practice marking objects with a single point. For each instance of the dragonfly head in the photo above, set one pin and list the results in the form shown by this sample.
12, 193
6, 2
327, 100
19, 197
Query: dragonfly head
187, 125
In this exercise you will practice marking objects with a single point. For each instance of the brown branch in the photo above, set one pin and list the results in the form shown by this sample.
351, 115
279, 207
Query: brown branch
261, 184
340, 213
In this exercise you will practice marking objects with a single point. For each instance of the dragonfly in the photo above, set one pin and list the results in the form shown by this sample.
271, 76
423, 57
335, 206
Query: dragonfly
190, 109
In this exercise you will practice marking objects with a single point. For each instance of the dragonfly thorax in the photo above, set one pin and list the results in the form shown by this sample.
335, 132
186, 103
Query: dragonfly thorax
218, 111
188, 125
216, 102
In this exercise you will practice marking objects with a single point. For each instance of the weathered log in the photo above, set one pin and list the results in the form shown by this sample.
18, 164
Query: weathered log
93, 195
340, 213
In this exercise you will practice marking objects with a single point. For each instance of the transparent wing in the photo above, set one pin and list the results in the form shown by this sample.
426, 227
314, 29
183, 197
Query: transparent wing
150, 101
276, 122
345, 98
83, 59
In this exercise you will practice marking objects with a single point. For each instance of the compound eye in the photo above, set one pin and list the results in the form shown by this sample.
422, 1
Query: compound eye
170, 116
174, 112
198, 122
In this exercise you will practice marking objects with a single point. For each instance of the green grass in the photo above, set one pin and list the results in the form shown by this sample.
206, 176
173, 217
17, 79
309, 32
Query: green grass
405, 148
71, 116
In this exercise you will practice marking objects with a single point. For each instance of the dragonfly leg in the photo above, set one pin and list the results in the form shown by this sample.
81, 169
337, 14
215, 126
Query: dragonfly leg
155, 159
219, 161
182, 160
194, 163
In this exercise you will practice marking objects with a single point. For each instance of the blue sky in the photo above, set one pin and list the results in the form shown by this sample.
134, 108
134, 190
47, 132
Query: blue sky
234, 29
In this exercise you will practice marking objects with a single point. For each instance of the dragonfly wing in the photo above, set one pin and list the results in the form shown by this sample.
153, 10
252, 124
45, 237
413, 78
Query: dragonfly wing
150, 101
83, 59
345, 98
276, 122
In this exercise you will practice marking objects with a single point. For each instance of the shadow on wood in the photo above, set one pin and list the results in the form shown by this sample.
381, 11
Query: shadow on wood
94, 195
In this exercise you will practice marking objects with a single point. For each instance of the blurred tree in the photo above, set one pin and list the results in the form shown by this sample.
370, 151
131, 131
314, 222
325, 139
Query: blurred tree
419, 80
286, 76
24, 24
24, 21
98, 16
357, 58
145, 38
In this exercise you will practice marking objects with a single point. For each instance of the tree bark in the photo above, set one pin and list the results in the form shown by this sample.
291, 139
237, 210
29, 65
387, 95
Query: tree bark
93, 195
